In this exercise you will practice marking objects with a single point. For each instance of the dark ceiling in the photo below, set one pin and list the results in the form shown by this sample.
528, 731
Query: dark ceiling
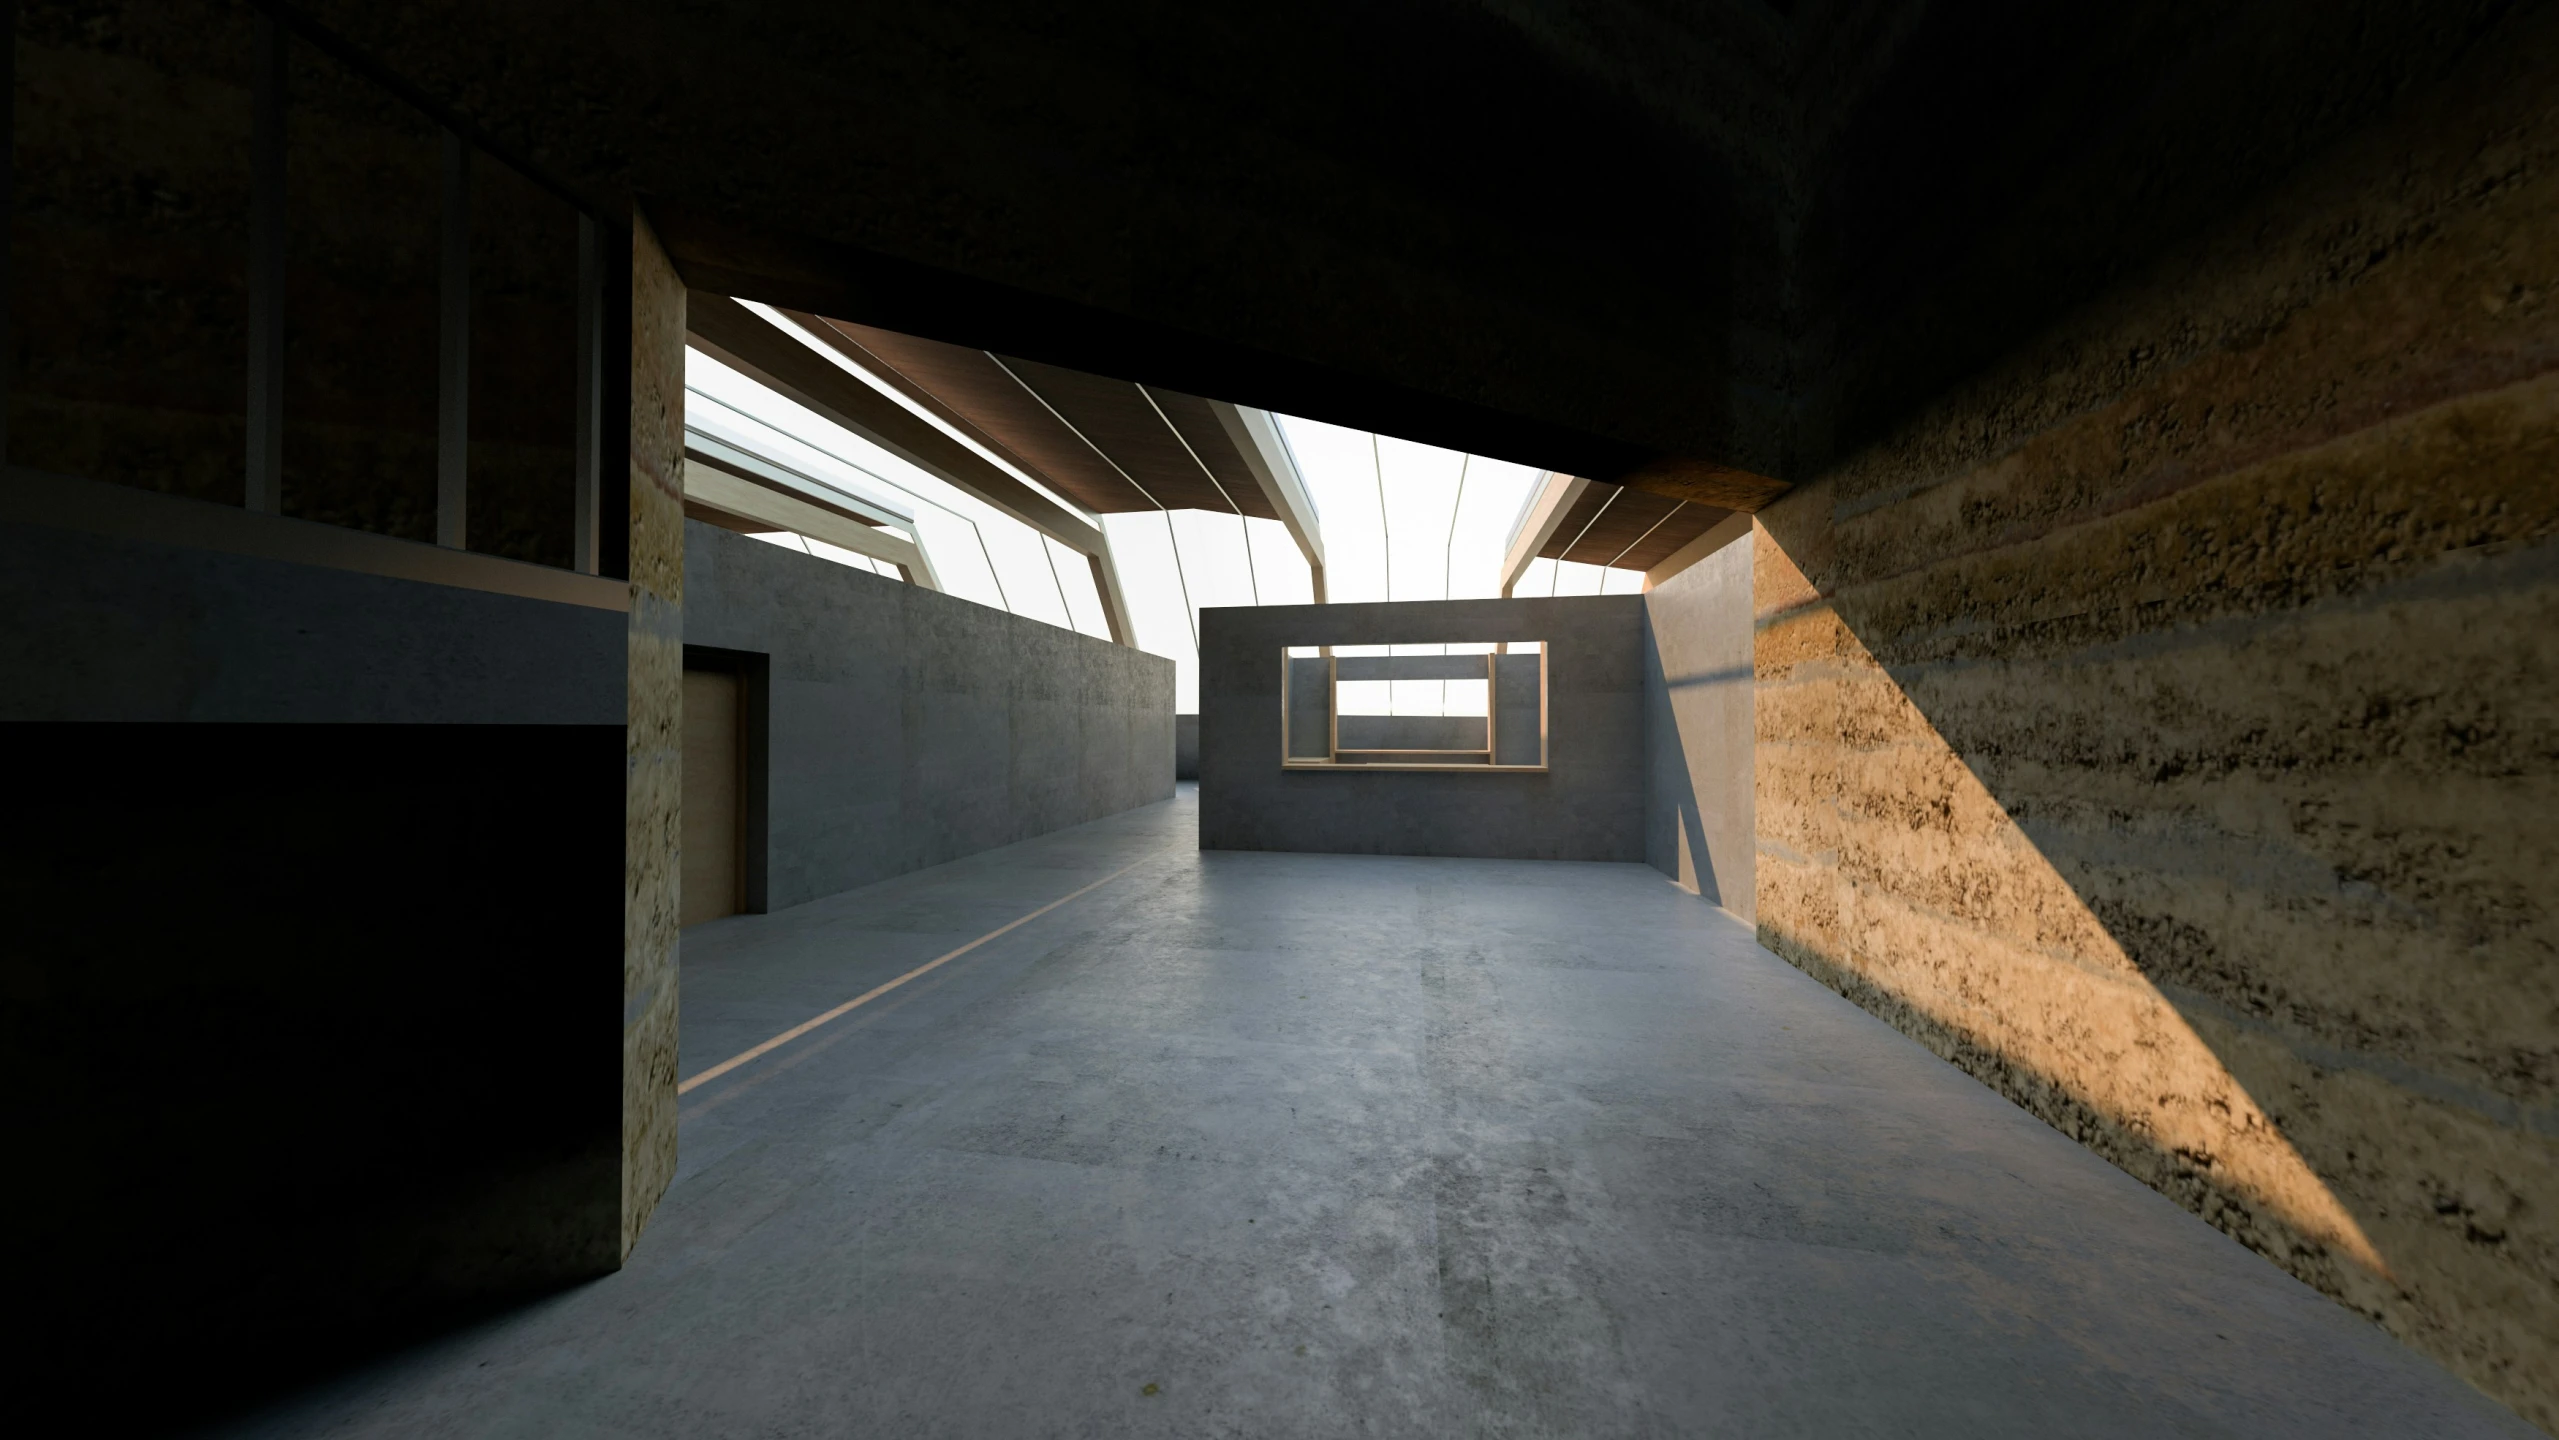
1673, 244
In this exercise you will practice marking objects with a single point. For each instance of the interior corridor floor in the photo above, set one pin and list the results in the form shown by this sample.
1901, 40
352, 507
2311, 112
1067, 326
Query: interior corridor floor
1311, 1145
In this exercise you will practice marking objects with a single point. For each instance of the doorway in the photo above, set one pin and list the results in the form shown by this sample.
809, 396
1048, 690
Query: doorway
714, 876
723, 786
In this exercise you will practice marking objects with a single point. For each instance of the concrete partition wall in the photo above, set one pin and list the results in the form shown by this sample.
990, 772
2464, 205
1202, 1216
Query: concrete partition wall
1587, 805
907, 727
1697, 723
315, 877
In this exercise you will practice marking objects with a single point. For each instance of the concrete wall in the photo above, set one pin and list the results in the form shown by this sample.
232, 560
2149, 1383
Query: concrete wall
1588, 806
2158, 723
317, 886
1698, 742
1412, 732
909, 727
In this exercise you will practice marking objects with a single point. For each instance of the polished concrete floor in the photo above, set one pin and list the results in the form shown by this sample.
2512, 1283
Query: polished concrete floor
1306, 1145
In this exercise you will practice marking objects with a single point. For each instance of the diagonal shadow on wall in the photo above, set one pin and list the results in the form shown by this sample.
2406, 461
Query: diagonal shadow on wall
2272, 981
1697, 722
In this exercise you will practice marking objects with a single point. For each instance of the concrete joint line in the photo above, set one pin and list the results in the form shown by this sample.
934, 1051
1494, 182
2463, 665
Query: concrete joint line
876, 991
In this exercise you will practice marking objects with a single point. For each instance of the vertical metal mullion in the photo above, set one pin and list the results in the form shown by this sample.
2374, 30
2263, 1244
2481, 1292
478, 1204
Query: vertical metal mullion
453, 352
265, 484
587, 555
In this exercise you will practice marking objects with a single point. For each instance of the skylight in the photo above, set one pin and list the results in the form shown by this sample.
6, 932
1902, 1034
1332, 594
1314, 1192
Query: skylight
1399, 520
978, 552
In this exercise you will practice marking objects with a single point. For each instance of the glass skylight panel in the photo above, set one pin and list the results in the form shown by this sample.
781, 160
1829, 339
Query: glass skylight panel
978, 552
807, 441
1572, 577
1400, 520
1279, 565
1442, 519
838, 554
1156, 589
1030, 583
789, 540
1339, 468
1420, 493
1495, 491
1083, 601
960, 560
1215, 561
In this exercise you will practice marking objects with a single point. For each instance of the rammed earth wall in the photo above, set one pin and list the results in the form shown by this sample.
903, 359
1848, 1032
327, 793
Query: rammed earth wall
2164, 724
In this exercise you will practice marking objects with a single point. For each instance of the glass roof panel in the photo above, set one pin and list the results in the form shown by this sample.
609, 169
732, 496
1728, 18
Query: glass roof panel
1572, 577
1215, 559
845, 363
1278, 566
978, 552
1399, 520
1032, 585
1157, 589
1083, 601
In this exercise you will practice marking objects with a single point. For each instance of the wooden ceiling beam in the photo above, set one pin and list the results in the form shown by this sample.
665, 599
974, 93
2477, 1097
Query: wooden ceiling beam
717, 489
1555, 500
1256, 438
744, 341
1700, 483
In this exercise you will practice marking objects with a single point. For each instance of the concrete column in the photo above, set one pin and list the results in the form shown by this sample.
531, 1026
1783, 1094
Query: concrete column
654, 731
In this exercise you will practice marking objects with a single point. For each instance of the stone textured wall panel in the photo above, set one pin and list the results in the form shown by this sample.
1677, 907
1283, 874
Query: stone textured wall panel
2164, 726
652, 860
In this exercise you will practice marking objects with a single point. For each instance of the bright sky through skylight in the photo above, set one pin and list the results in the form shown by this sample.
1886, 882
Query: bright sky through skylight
977, 552
1400, 521
1404, 521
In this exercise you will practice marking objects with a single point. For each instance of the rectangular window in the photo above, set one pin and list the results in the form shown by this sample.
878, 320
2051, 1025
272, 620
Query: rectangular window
1337, 710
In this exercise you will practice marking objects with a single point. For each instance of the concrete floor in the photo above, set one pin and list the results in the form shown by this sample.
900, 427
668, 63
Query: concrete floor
1304, 1145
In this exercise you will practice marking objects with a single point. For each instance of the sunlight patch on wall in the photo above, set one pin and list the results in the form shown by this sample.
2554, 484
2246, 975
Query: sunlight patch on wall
1887, 870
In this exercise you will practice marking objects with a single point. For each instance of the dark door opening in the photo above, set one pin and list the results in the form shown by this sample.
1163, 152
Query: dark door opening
714, 873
